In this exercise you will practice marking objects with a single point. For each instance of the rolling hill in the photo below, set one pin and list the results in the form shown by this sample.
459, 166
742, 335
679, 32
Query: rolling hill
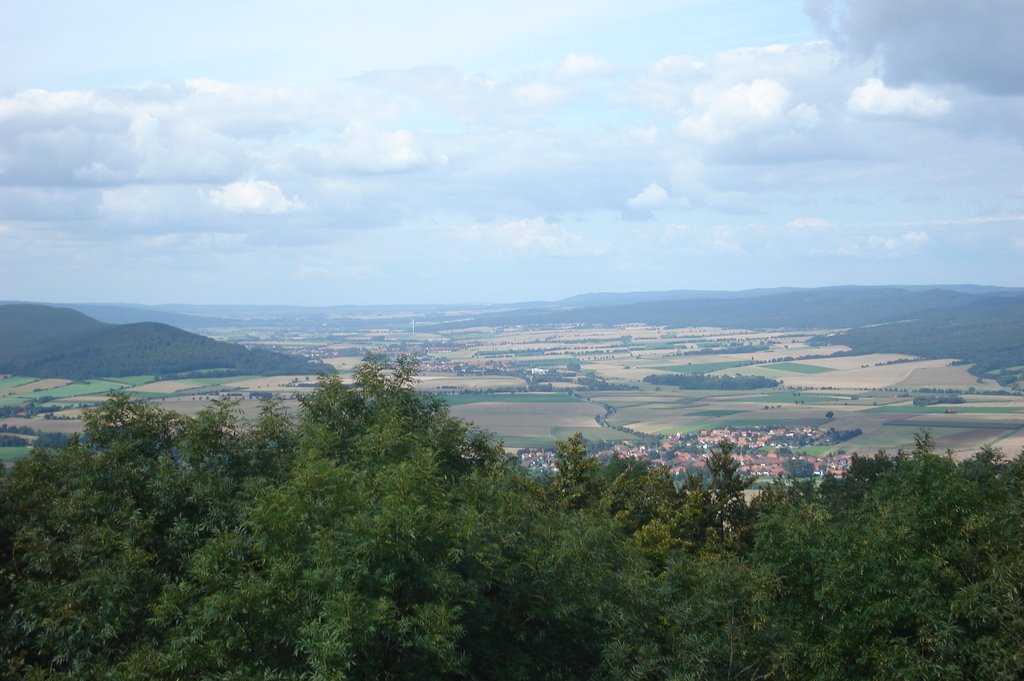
50, 342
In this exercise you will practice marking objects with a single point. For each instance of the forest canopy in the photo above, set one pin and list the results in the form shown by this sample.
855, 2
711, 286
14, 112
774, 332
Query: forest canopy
376, 536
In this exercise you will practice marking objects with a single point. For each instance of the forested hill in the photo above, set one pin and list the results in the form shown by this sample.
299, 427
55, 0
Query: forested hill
37, 340
988, 335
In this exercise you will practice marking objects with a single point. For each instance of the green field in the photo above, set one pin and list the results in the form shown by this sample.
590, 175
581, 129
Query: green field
790, 397
132, 380
818, 450
13, 453
14, 381
92, 387
798, 368
699, 368
890, 436
951, 424
941, 409
518, 398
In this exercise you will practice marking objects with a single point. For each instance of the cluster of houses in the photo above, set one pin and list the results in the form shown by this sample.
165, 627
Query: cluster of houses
767, 451
760, 452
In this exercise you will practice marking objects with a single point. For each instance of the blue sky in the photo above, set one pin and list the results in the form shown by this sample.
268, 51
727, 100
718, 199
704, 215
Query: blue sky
407, 152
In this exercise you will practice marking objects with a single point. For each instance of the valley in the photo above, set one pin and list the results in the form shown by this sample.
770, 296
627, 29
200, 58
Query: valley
533, 384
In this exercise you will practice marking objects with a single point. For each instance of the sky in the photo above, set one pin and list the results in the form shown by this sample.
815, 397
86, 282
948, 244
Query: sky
396, 152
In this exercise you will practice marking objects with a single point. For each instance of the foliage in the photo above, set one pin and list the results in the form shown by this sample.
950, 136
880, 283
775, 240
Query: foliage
376, 536
712, 382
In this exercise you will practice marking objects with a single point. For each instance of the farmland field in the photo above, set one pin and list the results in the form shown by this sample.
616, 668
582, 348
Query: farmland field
531, 386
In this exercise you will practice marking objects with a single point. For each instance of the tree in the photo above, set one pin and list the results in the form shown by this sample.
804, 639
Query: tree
576, 484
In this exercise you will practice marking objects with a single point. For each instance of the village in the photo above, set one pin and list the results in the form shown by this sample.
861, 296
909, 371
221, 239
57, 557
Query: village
761, 452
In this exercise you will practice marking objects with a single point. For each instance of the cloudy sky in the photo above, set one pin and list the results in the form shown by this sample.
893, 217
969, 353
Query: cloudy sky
327, 152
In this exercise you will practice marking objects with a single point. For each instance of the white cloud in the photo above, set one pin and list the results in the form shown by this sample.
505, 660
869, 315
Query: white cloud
576, 66
254, 196
652, 196
873, 98
723, 114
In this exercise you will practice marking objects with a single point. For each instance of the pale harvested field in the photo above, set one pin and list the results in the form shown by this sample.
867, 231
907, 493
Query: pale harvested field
166, 386
46, 425
966, 442
861, 377
1012, 445
942, 377
42, 384
795, 351
614, 371
269, 382
248, 409
856, 361
342, 363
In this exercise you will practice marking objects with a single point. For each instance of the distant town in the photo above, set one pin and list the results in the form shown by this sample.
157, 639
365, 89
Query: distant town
762, 452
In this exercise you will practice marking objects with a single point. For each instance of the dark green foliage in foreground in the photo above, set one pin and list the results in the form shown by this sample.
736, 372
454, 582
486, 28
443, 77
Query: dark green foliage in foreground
377, 537
712, 382
47, 342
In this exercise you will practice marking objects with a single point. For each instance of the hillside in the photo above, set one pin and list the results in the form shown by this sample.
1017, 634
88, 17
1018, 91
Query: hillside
987, 335
36, 340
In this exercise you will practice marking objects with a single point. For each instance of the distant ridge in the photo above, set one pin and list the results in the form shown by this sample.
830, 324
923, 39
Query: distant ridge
607, 299
821, 308
50, 342
765, 308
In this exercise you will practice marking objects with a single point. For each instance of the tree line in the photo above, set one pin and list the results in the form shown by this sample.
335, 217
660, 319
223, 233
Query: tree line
375, 536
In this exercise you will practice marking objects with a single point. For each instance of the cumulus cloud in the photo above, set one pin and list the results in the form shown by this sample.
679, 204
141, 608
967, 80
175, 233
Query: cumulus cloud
873, 98
722, 114
652, 196
576, 66
975, 43
254, 196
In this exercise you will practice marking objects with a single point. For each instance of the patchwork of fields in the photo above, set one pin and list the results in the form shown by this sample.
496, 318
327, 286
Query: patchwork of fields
533, 386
